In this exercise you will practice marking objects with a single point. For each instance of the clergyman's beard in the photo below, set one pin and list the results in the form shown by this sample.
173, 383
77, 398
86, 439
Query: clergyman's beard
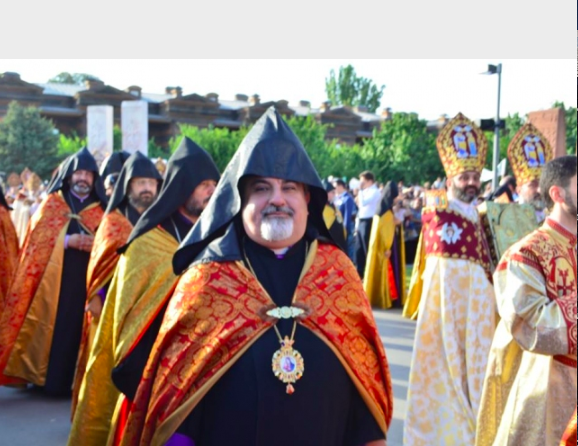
537, 203
570, 205
275, 229
81, 188
462, 194
194, 208
142, 201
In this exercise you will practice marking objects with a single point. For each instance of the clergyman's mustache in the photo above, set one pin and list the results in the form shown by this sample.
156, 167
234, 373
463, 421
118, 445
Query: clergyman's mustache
275, 209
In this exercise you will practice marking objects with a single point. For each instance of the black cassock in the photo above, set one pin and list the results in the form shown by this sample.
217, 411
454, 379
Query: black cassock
70, 312
249, 406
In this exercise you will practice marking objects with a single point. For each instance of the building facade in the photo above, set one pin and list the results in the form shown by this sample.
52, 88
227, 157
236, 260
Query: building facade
66, 106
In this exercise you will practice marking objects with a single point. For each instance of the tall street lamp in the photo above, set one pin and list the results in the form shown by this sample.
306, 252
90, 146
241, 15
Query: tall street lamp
496, 69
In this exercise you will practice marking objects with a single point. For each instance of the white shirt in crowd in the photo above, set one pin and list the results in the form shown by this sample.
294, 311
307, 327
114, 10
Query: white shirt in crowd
369, 200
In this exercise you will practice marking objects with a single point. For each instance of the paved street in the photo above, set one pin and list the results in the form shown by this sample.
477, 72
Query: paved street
27, 418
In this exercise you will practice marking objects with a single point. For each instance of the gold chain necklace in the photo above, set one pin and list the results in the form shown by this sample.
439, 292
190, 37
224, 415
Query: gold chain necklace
288, 364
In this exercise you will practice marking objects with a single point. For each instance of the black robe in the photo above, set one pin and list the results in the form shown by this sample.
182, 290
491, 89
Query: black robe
248, 406
70, 312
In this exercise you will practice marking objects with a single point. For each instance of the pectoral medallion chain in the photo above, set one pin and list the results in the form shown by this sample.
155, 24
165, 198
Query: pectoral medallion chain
288, 364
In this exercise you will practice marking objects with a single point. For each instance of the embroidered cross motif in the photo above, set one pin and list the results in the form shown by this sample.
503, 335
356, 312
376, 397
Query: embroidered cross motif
564, 287
450, 234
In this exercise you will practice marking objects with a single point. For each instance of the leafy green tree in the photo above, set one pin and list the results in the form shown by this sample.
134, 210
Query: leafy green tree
220, 143
312, 135
513, 124
27, 140
402, 149
347, 88
69, 145
72, 78
156, 151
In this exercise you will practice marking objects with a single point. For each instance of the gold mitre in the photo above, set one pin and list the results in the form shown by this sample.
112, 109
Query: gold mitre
528, 152
24, 175
462, 146
33, 183
437, 198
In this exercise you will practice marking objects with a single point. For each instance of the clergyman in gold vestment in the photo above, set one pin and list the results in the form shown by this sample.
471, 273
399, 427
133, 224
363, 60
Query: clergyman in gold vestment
530, 388
456, 315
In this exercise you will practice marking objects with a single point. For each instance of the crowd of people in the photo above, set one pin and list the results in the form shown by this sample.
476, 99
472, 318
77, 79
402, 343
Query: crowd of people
161, 297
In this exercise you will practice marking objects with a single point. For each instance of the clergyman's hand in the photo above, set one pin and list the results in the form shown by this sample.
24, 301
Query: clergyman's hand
87, 242
82, 242
74, 241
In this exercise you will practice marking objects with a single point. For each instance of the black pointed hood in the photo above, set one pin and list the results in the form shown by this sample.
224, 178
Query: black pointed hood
188, 167
388, 196
3, 202
270, 149
328, 186
137, 165
114, 163
81, 160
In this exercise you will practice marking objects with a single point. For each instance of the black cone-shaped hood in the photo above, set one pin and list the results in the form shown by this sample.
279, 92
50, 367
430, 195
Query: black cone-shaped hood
137, 165
3, 202
388, 196
81, 160
188, 167
270, 149
114, 163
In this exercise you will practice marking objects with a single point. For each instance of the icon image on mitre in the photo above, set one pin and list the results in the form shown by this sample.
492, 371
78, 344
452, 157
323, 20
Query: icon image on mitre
528, 153
462, 146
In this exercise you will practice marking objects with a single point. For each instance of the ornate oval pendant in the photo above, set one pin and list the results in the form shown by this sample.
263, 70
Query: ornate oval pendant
288, 364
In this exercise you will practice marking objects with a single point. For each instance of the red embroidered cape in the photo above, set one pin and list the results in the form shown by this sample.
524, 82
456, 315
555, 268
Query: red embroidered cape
212, 319
46, 225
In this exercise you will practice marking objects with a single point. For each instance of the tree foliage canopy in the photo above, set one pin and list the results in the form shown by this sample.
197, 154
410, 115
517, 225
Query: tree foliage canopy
347, 88
403, 149
72, 78
27, 140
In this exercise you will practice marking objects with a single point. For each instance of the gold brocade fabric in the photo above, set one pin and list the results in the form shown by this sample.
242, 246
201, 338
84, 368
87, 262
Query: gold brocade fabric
506, 224
528, 152
112, 234
213, 318
35, 286
530, 388
455, 327
447, 232
376, 277
8, 253
462, 146
142, 281
331, 215
411, 306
